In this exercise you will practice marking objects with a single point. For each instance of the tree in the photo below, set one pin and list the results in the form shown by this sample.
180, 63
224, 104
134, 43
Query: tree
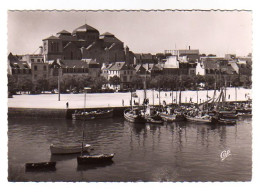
210, 81
12, 88
137, 81
42, 84
98, 82
115, 80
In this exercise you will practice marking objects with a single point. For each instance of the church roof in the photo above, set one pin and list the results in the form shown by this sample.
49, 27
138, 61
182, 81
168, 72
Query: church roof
51, 38
107, 34
63, 32
84, 28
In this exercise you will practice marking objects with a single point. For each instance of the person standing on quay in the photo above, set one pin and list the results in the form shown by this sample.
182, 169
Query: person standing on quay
123, 102
67, 105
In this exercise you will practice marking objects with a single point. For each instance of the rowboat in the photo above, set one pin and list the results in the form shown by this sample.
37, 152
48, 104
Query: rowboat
95, 159
98, 114
58, 150
40, 166
134, 116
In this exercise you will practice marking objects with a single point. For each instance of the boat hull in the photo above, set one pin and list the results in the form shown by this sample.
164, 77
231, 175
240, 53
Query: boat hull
40, 166
60, 150
199, 120
92, 115
227, 121
172, 117
95, 159
133, 118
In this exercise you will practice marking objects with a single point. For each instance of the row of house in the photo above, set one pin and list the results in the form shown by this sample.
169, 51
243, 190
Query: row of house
85, 52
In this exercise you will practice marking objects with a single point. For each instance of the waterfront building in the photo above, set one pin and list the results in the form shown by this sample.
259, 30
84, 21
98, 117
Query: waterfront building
122, 70
70, 68
18, 68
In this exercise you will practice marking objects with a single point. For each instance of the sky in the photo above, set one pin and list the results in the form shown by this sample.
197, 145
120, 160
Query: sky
212, 32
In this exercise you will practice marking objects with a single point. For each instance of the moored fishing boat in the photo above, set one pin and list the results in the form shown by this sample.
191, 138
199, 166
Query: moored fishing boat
66, 149
134, 116
98, 114
201, 119
95, 159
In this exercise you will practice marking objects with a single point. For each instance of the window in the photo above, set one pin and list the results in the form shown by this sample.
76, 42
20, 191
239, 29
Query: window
38, 60
44, 68
32, 60
35, 76
35, 68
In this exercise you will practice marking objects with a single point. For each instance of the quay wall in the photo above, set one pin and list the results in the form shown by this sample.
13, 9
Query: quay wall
59, 113
55, 113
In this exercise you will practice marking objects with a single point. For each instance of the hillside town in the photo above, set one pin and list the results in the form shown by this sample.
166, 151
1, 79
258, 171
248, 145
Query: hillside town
86, 58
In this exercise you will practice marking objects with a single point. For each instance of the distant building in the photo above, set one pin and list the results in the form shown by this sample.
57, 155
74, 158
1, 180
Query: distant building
143, 58
70, 68
124, 71
85, 42
18, 68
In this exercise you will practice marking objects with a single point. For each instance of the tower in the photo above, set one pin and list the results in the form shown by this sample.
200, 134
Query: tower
52, 48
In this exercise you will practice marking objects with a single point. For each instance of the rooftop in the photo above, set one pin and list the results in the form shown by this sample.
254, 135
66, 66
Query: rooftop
84, 28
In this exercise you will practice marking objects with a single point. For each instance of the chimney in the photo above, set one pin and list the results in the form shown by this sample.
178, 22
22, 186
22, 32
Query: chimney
127, 55
41, 50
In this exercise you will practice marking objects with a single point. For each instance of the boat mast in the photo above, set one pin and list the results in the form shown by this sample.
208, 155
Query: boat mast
180, 90
84, 121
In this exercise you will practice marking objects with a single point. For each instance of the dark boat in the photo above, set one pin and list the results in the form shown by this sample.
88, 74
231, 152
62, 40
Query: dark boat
134, 115
153, 120
98, 114
151, 115
95, 159
227, 121
172, 117
42, 166
227, 115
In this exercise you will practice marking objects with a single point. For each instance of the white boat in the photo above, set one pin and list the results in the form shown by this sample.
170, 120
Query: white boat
59, 150
203, 119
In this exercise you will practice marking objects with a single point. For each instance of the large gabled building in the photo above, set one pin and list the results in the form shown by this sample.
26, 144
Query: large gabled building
85, 42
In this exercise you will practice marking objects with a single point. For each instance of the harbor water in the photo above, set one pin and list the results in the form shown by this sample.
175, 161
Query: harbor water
171, 152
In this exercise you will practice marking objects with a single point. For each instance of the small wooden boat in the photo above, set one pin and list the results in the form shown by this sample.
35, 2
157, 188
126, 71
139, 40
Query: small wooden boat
98, 114
40, 166
134, 116
203, 119
227, 114
95, 159
59, 150
172, 117
153, 120
244, 114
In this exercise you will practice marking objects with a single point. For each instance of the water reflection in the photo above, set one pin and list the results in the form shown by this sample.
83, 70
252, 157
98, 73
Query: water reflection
93, 166
179, 151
